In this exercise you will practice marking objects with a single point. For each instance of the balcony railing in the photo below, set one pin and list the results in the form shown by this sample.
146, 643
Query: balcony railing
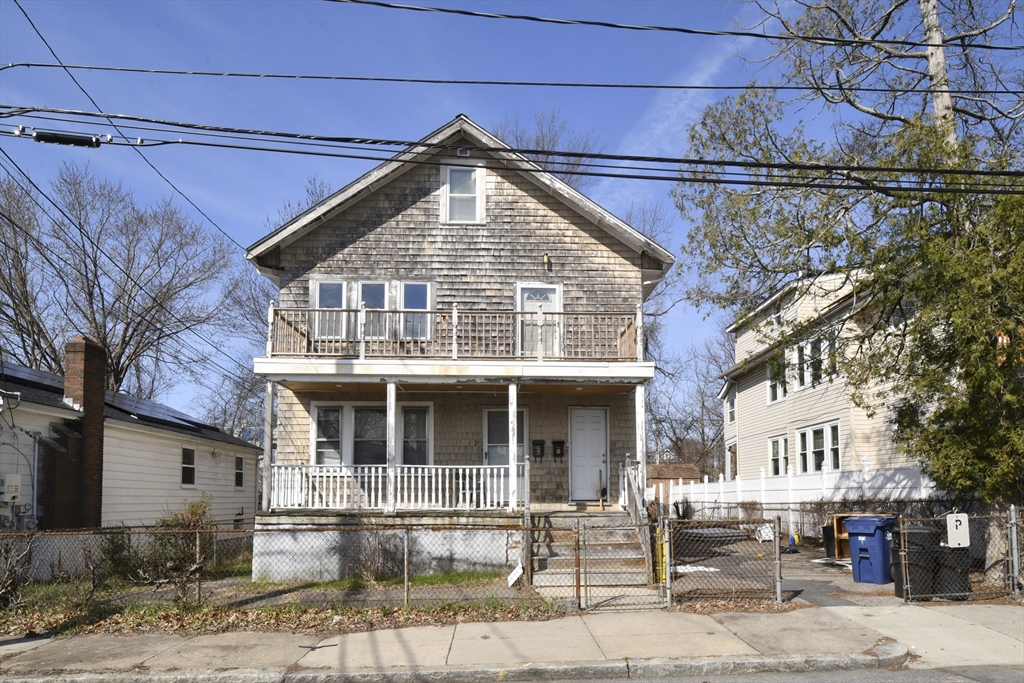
455, 334
365, 487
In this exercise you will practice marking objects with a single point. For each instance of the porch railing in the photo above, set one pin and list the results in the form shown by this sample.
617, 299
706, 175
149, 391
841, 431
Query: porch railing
365, 487
456, 333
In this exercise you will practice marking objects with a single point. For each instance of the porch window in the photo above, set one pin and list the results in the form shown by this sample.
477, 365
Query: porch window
328, 436
374, 297
415, 297
780, 455
496, 437
414, 436
464, 194
330, 324
370, 436
188, 467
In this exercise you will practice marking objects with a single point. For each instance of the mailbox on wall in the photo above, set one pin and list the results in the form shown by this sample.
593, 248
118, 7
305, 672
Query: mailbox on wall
538, 450
558, 449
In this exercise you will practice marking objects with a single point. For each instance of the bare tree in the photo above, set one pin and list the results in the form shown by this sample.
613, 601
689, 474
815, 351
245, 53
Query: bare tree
137, 279
549, 134
684, 411
237, 406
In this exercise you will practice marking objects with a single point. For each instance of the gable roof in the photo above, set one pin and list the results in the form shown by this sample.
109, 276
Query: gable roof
47, 389
460, 126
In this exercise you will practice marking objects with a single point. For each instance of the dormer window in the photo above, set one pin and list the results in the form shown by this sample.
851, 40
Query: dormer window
464, 192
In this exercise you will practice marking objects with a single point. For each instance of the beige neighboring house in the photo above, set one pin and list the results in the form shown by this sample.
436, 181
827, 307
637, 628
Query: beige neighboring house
788, 410
85, 457
452, 306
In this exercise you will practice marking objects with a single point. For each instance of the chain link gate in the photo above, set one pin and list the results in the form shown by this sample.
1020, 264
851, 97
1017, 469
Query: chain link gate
933, 560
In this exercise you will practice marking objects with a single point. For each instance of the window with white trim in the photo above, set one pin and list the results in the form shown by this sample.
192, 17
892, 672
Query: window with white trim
239, 472
188, 467
819, 445
329, 295
779, 447
464, 194
373, 296
776, 380
415, 297
356, 434
811, 364
496, 436
732, 408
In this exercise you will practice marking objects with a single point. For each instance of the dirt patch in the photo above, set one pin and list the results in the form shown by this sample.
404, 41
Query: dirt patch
751, 606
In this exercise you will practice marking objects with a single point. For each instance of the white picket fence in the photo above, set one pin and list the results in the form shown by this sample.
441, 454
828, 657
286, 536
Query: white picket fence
783, 494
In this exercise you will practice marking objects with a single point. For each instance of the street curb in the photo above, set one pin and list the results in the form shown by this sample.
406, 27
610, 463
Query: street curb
883, 656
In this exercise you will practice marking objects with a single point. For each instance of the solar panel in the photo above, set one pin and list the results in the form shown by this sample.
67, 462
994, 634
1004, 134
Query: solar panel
144, 408
35, 376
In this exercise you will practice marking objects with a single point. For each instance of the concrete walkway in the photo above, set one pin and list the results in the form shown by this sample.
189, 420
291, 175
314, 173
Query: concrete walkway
608, 646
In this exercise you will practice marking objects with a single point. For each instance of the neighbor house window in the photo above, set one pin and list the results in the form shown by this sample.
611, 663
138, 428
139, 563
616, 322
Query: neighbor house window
415, 297
239, 472
801, 366
780, 455
188, 467
776, 381
817, 444
732, 409
465, 190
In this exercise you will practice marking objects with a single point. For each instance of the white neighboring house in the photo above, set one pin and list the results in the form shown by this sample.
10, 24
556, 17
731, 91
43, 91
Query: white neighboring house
87, 457
792, 431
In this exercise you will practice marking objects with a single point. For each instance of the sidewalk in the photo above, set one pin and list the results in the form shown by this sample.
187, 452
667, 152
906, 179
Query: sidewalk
609, 645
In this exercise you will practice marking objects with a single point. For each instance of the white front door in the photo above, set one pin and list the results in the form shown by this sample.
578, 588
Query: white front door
588, 453
533, 338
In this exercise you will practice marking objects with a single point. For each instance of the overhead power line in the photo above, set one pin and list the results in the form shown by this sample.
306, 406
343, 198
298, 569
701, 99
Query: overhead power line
85, 234
837, 181
137, 151
416, 146
462, 81
826, 40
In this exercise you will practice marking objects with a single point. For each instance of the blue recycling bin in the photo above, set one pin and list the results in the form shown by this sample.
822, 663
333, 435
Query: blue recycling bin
870, 547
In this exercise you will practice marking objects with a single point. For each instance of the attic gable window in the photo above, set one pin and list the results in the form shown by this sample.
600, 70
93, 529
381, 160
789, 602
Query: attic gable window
464, 194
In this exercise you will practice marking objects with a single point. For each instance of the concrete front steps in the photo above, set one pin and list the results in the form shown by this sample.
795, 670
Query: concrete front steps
610, 553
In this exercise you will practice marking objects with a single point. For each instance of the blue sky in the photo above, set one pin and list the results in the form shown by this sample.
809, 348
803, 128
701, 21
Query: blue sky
240, 189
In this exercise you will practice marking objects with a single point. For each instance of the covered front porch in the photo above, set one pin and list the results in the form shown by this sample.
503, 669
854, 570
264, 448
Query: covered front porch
573, 443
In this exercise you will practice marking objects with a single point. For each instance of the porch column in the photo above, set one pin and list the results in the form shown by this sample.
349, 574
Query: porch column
641, 435
268, 446
513, 445
392, 451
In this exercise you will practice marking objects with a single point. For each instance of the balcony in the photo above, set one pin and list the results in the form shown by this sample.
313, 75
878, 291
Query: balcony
455, 334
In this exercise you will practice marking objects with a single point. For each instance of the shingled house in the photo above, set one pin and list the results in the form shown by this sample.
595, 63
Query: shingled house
452, 306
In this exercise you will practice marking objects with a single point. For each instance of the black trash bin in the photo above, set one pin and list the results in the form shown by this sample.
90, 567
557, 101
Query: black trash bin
922, 560
828, 537
953, 578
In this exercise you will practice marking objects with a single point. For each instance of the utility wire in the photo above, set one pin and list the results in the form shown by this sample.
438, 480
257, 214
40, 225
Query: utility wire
456, 81
826, 40
418, 147
85, 234
713, 178
138, 151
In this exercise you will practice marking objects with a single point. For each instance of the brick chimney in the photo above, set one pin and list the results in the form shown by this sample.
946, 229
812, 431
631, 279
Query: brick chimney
85, 379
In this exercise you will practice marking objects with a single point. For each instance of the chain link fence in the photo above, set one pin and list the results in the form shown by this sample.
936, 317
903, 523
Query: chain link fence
312, 566
926, 566
721, 559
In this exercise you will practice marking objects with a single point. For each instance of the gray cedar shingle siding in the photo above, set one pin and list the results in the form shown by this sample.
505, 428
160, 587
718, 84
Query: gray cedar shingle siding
458, 429
396, 234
